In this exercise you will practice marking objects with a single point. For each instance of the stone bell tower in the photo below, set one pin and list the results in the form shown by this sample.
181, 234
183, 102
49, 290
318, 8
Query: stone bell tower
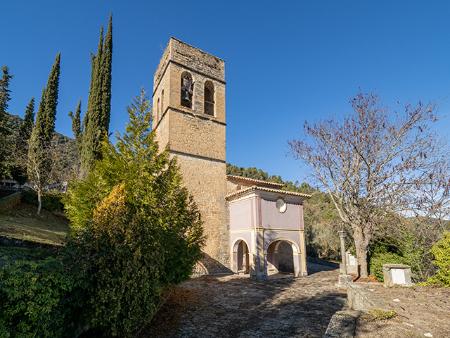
189, 119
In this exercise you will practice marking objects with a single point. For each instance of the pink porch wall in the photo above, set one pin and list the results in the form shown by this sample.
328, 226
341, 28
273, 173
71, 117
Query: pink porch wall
291, 219
242, 214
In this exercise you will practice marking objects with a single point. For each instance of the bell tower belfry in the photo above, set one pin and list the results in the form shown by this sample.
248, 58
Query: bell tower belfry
189, 119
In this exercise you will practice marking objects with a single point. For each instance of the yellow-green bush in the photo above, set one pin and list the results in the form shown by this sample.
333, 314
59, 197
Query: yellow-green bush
441, 253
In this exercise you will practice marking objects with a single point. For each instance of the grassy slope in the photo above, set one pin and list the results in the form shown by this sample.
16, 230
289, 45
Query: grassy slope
23, 223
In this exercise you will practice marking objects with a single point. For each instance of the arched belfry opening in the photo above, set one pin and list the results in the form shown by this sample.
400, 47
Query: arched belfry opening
187, 90
209, 98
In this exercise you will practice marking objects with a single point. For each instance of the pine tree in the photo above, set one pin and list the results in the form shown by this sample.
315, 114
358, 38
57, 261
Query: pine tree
4, 90
97, 118
5, 125
39, 159
122, 248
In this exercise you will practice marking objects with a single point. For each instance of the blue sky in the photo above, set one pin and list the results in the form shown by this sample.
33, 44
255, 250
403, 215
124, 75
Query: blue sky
286, 61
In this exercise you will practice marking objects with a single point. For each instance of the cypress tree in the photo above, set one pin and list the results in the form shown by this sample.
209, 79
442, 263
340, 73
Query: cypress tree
51, 100
26, 127
106, 78
39, 159
97, 118
76, 124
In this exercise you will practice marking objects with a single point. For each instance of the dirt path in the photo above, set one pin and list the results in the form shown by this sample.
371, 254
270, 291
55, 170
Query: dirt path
236, 306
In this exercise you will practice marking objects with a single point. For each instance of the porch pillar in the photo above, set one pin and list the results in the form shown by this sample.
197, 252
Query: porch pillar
303, 266
261, 258
297, 263
235, 257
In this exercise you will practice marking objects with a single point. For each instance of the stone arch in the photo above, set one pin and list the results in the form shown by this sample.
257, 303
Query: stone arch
186, 89
240, 256
282, 255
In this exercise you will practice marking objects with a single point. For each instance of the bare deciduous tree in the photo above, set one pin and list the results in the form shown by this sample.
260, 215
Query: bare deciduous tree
51, 166
376, 162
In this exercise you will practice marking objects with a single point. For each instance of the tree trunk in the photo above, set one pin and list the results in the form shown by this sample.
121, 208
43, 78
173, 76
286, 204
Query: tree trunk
361, 255
361, 251
39, 197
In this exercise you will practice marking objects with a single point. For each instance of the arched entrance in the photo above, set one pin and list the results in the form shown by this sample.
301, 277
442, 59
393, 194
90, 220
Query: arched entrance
241, 257
281, 258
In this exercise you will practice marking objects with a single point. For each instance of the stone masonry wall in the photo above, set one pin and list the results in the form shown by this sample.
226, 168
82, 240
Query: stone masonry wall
202, 178
189, 134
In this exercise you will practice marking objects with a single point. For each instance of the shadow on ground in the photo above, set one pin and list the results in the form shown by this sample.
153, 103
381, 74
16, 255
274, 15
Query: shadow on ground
315, 265
236, 306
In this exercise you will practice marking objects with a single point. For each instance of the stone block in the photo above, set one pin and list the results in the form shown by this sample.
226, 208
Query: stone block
396, 274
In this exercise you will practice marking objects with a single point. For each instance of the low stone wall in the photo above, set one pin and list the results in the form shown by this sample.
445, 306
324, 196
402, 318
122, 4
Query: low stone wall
342, 324
360, 298
10, 201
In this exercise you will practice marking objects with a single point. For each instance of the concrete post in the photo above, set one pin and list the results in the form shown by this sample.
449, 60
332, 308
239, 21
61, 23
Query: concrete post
343, 267
344, 278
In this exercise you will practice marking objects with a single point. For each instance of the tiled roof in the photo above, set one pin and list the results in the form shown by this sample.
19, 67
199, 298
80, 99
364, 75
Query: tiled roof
242, 192
254, 181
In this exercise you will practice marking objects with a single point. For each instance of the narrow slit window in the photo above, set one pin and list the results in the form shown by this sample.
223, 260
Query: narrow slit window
157, 111
209, 98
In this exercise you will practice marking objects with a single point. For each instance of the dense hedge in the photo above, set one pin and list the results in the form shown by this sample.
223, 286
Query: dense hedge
379, 258
34, 298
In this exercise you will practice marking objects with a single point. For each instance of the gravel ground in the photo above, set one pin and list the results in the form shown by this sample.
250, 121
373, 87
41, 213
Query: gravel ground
421, 312
236, 306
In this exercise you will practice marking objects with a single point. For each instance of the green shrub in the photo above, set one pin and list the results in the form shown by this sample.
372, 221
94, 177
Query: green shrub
135, 230
380, 314
379, 258
33, 297
51, 200
441, 253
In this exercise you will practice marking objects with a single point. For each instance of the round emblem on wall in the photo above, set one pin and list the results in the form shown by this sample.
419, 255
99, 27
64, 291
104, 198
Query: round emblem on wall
281, 205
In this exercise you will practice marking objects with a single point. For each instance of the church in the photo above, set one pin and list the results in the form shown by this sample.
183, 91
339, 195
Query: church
251, 226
